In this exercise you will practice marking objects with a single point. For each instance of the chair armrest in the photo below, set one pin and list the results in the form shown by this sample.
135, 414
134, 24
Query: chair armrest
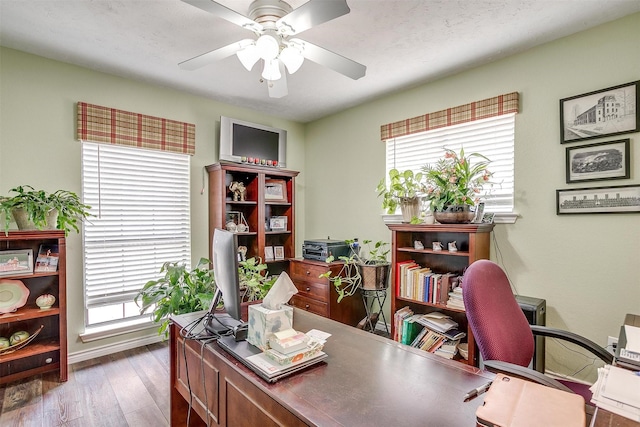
518, 371
583, 342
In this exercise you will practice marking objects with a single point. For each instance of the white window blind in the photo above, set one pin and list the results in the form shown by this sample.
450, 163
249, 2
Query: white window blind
140, 202
492, 137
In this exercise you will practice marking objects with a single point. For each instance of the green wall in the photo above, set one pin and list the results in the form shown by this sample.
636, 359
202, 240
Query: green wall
38, 146
585, 266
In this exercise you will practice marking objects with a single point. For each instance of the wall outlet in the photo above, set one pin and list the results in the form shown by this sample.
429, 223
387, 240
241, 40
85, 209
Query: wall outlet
612, 344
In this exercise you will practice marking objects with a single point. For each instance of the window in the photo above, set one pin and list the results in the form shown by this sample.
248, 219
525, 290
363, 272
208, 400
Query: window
492, 137
140, 202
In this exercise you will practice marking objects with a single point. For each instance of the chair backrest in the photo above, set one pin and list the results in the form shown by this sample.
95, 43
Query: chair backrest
499, 326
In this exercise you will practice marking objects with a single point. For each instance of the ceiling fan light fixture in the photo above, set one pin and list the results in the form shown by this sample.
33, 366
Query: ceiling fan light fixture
271, 70
268, 47
248, 55
292, 58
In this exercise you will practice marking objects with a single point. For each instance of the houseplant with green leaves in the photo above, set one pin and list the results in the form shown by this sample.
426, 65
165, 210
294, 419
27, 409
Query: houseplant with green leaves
37, 209
405, 190
180, 290
455, 182
366, 267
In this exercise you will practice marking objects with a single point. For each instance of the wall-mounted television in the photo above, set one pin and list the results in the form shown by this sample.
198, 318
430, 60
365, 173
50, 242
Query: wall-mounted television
242, 140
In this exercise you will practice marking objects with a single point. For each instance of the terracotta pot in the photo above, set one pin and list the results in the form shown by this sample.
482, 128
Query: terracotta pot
459, 214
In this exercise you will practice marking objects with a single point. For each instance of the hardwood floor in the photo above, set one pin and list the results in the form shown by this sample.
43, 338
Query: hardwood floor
123, 389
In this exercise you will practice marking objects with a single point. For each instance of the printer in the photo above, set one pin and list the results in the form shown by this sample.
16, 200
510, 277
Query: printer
321, 249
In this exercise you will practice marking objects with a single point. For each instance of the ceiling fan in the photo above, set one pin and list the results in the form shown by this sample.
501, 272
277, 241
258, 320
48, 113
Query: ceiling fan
274, 22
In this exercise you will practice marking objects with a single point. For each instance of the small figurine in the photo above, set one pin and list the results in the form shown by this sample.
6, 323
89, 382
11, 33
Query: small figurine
239, 191
242, 252
437, 246
418, 245
231, 226
452, 246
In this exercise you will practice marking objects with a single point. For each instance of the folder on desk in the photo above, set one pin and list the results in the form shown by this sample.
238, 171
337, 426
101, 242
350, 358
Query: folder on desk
512, 402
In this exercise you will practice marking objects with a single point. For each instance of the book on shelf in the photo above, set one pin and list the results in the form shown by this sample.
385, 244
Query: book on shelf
47, 259
438, 322
410, 328
398, 320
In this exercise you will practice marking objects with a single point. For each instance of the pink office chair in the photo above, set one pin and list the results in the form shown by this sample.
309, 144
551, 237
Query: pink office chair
501, 330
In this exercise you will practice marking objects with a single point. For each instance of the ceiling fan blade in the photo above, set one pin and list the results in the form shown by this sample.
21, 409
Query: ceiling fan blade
226, 13
278, 88
332, 60
210, 57
310, 14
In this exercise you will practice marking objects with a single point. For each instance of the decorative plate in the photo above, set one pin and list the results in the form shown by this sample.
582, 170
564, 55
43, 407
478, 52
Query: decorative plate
13, 295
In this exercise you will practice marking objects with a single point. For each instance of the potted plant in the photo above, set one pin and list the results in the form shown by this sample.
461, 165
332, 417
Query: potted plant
179, 291
405, 190
366, 267
254, 279
37, 209
454, 184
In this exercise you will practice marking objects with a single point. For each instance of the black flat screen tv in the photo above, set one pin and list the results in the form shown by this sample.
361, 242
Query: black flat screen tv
240, 140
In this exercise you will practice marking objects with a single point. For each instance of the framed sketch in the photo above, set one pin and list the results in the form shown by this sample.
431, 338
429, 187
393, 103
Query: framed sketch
278, 223
487, 218
275, 190
621, 199
605, 112
278, 252
16, 261
268, 253
605, 160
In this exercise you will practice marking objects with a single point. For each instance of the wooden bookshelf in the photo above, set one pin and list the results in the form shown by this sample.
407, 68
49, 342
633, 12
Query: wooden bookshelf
473, 242
48, 351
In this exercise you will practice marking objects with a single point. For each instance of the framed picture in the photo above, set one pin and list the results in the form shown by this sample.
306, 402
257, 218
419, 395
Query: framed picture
621, 199
278, 223
275, 190
47, 259
605, 112
16, 261
268, 253
605, 160
278, 252
487, 218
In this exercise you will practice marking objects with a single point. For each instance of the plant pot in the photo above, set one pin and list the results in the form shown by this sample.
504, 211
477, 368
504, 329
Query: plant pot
375, 276
410, 208
458, 214
22, 220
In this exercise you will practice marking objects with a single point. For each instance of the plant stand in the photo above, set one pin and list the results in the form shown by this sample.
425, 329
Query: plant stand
371, 297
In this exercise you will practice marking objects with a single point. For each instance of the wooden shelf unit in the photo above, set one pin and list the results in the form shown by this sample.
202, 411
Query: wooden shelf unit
256, 208
48, 351
473, 242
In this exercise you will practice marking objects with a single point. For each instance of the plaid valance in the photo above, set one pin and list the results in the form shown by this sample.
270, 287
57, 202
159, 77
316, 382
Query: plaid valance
490, 107
103, 124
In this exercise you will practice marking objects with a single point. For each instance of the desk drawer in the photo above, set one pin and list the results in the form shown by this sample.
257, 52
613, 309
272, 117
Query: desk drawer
308, 271
311, 305
315, 291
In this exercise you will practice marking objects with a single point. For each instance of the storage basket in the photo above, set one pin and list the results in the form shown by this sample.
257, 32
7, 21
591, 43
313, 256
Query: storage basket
374, 277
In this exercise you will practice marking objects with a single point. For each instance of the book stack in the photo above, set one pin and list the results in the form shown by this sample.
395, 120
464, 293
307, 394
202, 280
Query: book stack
419, 283
432, 332
455, 299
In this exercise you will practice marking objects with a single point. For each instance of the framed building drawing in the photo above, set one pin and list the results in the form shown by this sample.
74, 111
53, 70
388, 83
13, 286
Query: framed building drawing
605, 112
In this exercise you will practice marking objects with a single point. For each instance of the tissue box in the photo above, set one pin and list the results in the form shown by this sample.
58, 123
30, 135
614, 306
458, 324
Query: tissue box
263, 322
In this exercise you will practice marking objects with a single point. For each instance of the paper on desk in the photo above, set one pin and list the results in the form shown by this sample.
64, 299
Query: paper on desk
622, 385
611, 405
633, 338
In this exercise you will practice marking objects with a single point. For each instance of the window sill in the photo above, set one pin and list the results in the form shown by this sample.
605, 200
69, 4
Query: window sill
499, 218
101, 332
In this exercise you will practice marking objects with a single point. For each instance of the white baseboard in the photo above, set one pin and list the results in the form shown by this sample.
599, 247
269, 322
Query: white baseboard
80, 356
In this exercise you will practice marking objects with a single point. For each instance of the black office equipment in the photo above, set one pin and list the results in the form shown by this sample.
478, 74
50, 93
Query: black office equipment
535, 310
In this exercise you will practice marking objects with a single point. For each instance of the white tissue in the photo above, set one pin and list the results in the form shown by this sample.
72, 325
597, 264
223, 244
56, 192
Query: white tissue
280, 293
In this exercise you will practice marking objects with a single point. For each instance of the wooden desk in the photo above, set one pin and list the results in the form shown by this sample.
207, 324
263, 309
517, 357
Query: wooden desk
367, 380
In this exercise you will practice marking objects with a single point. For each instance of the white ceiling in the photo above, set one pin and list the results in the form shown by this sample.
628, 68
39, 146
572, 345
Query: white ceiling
403, 43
